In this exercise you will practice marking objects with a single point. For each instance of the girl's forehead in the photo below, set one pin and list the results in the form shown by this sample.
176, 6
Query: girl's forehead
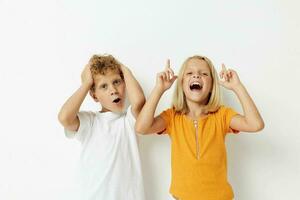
196, 64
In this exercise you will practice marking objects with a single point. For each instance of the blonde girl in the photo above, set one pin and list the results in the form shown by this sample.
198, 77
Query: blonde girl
197, 124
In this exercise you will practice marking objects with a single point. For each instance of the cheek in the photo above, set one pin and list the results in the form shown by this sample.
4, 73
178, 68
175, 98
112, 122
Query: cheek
101, 95
122, 88
185, 84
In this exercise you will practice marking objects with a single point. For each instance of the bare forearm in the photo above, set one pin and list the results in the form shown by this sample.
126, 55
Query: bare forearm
146, 116
134, 90
251, 112
69, 110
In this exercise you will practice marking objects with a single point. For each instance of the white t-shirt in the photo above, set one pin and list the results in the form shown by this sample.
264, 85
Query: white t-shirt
110, 163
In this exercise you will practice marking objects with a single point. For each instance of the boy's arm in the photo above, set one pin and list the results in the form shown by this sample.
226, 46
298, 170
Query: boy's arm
68, 113
134, 91
251, 121
146, 123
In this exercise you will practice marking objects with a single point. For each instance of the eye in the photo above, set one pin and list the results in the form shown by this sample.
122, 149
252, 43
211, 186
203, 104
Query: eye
205, 74
189, 73
117, 82
103, 86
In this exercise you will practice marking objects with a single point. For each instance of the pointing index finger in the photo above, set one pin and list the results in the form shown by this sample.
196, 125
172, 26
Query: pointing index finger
223, 67
168, 64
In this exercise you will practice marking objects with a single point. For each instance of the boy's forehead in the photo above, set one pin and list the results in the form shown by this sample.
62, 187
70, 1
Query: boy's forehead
110, 74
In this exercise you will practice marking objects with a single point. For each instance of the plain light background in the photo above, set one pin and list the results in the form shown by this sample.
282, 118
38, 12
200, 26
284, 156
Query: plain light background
44, 45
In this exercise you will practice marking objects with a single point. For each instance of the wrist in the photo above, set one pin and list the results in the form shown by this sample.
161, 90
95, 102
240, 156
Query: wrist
159, 89
238, 88
87, 84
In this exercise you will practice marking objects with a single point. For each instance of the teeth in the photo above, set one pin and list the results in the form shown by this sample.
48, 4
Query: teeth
196, 85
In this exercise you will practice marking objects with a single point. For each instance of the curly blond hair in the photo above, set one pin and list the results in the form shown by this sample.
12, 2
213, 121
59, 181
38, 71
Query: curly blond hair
101, 64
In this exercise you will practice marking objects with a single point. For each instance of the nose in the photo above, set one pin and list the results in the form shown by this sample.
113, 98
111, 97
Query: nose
113, 90
196, 76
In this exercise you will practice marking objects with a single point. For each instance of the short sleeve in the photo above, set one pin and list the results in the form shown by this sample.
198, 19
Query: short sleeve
85, 120
167, 116
130, 117
227, 115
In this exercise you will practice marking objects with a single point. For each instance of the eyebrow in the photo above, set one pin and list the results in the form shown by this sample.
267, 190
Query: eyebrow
201, 70
113, 80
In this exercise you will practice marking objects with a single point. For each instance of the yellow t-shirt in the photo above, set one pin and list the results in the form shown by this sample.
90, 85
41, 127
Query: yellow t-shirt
199, 169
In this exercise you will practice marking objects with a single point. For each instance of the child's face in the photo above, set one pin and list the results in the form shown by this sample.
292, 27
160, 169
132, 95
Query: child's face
109, 91
197, 81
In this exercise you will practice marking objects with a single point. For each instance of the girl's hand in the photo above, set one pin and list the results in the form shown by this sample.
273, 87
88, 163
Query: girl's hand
230, 78
86, 76
165, 79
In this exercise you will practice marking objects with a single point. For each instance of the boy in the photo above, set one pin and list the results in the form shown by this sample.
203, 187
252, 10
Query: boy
110, 162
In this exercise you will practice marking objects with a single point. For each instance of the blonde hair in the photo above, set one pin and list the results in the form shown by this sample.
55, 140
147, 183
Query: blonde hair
101, 64
179, 99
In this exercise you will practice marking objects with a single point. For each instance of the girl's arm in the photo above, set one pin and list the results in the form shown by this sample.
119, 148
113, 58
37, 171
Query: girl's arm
146, 123
68, 113
134, 91
251, 121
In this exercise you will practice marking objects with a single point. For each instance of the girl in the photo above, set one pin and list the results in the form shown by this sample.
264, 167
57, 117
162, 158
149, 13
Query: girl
197, 124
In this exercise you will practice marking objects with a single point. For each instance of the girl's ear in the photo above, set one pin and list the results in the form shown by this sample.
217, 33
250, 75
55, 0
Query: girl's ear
92, 94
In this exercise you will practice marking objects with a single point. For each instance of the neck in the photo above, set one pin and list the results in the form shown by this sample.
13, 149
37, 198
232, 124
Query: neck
196, 110
104, 110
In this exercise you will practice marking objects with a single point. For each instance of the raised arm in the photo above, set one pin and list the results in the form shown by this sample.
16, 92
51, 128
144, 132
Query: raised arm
251, 120
68, 113
146, 123
134, 91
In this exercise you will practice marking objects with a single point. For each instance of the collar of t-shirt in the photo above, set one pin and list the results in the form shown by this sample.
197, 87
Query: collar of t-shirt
110, 115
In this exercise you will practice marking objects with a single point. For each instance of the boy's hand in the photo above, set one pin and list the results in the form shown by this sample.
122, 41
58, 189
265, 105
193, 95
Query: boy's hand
123, 67
230, 78
86, 75
165, 79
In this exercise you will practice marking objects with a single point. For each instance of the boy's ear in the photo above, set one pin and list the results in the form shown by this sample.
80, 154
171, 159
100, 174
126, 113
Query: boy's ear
92, 94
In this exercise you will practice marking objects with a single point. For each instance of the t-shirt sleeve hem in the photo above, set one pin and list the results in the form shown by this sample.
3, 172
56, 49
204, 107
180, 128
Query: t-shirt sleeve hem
167, 117
130, 117
230, 114
76, 134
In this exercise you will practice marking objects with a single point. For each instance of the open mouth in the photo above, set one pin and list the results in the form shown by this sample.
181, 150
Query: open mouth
117, 100
195, 86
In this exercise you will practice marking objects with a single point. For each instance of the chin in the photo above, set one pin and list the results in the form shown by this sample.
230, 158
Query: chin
196, 99
118, 109
193, 97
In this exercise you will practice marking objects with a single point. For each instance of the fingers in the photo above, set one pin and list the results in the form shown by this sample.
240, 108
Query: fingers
173, 78
87, 68
170, 73
223, 67
121, 64
225, 74
169, 70
167, 64
163, 76
166, 76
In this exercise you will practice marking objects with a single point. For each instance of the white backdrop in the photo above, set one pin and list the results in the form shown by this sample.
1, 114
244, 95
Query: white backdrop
45, 44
